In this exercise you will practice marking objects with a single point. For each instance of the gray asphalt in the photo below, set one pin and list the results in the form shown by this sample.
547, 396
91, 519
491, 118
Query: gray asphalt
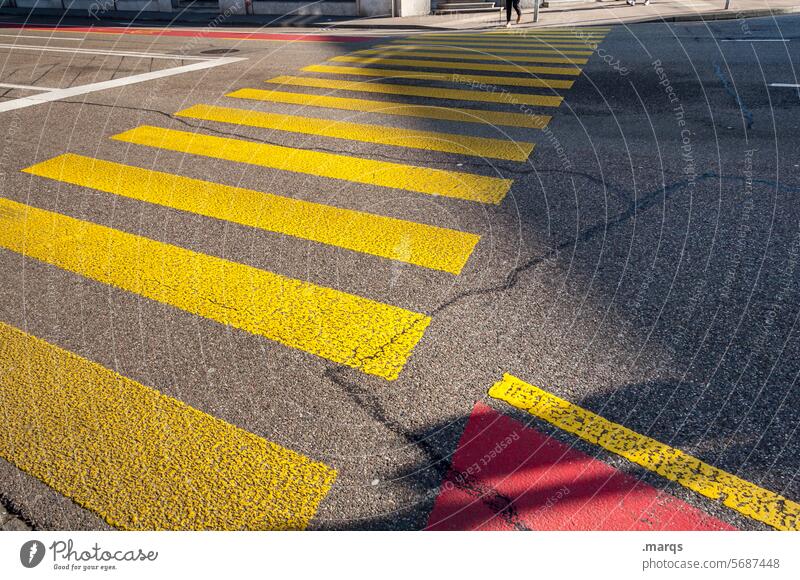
654, 285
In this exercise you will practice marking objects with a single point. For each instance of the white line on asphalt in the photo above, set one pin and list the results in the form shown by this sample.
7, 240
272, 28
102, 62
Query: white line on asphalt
785, 85
73, 50
42, 37
26, 87
59, 94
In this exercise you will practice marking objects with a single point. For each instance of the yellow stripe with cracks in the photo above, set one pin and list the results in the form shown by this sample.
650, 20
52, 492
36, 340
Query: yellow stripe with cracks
460, 65
740, 495
395, 52
369, 336
394, 108
419, 179
428, 92
517, 81
140, 459
405, 241
481, 49
411, 138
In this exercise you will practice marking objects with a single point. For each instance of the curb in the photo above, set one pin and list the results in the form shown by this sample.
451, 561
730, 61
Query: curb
724, 15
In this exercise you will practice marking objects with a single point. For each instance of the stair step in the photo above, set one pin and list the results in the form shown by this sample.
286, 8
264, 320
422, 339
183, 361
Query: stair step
455, 10
453, 5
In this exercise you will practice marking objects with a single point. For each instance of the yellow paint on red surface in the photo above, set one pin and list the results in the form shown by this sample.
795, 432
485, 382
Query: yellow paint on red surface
515, 81
746, 498
454, 184
461, 65
410, 242
393, 136
415, 91
140, 459
466, 56
457, 114
369, 336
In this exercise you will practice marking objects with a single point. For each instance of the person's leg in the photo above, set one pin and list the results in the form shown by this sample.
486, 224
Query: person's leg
518, 11
508, 11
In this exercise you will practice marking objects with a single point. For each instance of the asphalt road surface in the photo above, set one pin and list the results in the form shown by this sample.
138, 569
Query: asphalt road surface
306, 281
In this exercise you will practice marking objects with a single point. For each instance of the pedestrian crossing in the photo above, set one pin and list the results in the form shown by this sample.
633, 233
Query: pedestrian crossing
373, 337
432, 112
440, 182
427, 140
492, 50
192, 471
410, 242
467, 56
437, 76
546, 70
415, 91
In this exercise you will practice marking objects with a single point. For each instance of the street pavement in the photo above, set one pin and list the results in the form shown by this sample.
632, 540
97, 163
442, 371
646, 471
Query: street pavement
268, 282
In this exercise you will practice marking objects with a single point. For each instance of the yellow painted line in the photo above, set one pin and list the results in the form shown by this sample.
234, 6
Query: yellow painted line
517, 81
454, 184
140, 459
410, 242
561, 37
740, 495
374, 338
490, 51
466, 56
491, 44
549, 70
414, 91
402, 109
416, 139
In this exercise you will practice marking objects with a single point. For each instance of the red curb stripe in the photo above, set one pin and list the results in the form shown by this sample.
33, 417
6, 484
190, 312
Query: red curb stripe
192, 33
527, 480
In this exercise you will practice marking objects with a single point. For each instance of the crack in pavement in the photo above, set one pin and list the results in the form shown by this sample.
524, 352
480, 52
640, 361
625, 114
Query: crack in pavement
501, 505
498, 167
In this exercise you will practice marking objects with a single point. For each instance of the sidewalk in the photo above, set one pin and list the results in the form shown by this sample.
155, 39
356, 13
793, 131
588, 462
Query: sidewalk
577, 13
591, 13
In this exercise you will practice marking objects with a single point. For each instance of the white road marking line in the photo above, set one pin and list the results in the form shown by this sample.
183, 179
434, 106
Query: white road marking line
785, 85
59, 94
41, 37
100, 51
26, 87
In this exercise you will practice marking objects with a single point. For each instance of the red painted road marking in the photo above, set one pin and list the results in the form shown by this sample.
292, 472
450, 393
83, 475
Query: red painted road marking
192, 33
507, 476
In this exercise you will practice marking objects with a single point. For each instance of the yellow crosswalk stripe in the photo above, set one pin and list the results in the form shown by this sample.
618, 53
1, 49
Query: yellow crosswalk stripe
559, 37
410, 242
415, 91
549, 31
491, 44
394, 108
374, 338
744, 497
454, 184
394, 52
459, 65
140, 459
490, 51
517, 81
427, 140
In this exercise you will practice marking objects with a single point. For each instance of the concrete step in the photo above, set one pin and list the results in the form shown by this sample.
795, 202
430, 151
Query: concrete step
446, 5
454, 7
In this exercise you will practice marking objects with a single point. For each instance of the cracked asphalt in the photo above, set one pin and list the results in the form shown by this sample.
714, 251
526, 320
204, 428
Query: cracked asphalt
643, 265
